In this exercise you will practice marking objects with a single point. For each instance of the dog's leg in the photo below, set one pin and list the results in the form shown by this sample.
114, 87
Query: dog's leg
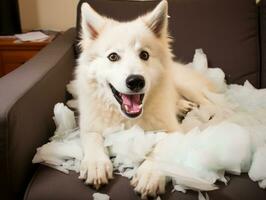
96, 167
148, 180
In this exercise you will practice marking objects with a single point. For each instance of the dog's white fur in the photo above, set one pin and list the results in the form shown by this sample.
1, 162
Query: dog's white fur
166, 83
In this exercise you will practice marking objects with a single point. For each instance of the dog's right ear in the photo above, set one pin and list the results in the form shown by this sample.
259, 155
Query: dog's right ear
91, 22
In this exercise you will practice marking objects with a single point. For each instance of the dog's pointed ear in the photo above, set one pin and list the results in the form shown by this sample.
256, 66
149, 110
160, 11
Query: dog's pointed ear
156, 20
91, 21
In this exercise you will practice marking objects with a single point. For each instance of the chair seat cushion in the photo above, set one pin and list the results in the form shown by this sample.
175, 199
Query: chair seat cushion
48, 183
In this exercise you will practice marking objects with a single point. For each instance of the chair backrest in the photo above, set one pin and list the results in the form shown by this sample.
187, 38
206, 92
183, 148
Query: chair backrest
263, 41
227, 31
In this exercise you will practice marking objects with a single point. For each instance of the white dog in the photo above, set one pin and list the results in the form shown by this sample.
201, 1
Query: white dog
126, 74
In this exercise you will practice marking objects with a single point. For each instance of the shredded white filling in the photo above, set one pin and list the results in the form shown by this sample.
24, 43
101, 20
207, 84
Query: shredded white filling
100, 196
227, 137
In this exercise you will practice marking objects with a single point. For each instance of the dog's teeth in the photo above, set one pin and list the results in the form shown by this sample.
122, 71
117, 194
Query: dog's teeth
126, 106
140, 106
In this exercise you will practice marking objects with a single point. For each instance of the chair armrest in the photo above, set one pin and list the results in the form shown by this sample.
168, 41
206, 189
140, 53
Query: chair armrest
27, 97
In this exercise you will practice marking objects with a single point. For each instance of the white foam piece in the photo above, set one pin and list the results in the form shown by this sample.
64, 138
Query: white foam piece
200, 62
185, 177
247, 96
100, 196
131, 146
158, 198
197, 158
202, 197
65, 154
179, 188
64, 120
262, 184
257, 170
216, 75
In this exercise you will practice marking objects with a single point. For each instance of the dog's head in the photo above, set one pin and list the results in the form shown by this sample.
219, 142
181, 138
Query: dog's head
125, 59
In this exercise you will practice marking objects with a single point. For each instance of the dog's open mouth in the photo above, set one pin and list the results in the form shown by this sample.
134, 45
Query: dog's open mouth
131, 104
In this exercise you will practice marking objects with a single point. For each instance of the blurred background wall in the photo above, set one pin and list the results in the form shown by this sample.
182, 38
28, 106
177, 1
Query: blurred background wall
56, 15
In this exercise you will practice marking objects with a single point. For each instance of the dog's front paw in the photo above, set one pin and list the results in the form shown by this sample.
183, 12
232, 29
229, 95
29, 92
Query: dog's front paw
96, 170
148, 181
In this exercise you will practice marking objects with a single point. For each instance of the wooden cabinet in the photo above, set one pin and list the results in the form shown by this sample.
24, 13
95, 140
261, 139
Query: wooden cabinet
14, 53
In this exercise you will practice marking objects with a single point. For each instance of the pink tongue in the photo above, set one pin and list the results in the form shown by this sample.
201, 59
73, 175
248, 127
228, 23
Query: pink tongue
132, 102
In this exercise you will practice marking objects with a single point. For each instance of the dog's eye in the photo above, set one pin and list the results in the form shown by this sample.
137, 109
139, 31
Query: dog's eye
113, 57
144, 55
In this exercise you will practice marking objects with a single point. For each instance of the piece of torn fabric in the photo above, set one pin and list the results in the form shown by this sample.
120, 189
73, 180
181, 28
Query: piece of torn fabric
130, 147
64, 154
257, 170
198, 159
228, 136
158, 198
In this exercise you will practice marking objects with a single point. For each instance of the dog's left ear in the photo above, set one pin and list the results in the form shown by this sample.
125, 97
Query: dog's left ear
157, 19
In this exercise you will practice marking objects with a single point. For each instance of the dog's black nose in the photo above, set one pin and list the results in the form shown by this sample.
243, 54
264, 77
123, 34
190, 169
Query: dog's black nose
135, 82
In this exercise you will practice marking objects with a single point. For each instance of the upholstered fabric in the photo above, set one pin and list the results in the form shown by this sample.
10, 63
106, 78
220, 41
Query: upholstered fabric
263, 42
51, 184
27, 97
